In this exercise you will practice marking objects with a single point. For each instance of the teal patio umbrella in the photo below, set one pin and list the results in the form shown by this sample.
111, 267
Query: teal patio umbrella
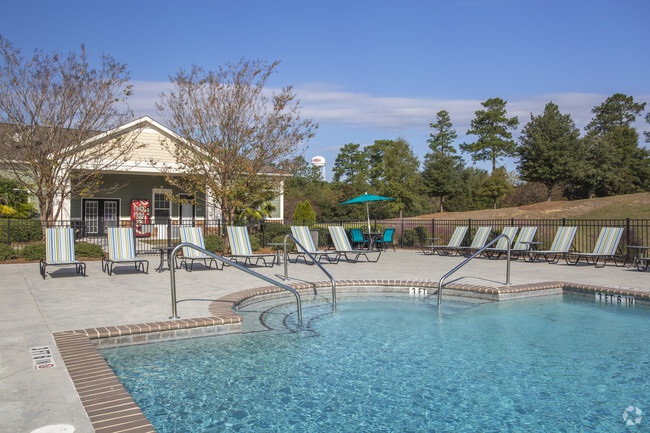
365, 198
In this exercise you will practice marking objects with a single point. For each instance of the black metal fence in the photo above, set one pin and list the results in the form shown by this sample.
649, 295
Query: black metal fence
409, 233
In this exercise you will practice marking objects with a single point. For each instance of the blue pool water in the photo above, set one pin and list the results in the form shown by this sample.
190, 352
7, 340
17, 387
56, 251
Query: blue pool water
395, 364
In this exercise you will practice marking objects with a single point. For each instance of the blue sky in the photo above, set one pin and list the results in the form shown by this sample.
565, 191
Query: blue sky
369, 70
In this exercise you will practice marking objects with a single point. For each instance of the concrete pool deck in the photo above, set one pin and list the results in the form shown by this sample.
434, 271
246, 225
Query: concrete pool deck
34, 309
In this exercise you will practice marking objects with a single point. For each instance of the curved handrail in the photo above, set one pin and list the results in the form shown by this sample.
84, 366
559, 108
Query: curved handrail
286, 271
444, 277
231, 263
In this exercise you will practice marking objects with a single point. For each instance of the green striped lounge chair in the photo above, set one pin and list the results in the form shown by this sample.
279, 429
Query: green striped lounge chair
559, 248
480, 238
523, 243
59, 250
342, 246
453, 244
605, 248
240, 248
194, 236
121, 249
502, 244
303, 236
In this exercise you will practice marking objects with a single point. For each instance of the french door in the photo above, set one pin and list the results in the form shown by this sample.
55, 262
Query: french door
100, 214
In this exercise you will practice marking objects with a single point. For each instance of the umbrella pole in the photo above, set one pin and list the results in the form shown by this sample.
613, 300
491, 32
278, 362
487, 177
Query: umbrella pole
368, 215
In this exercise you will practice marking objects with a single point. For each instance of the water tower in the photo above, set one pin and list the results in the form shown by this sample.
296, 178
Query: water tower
319, 161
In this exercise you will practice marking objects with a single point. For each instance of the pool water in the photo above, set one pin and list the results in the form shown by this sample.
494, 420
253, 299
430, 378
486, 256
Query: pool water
398, 364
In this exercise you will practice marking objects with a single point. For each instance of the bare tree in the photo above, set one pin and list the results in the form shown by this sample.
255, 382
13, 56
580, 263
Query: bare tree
53, 108
237, 136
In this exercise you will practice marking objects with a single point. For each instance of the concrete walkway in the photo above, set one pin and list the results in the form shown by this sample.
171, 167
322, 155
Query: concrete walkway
33, 308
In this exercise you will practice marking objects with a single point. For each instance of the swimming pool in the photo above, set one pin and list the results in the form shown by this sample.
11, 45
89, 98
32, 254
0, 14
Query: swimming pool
396, 363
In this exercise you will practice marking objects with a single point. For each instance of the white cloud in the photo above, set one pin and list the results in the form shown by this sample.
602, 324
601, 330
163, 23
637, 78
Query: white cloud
330, 104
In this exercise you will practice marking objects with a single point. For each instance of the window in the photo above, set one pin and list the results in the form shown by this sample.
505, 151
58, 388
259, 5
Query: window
161, 204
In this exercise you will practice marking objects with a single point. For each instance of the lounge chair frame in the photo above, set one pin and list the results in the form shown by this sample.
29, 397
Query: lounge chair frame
301, 233
452, 246
502, 245
479, 241
121, 249
561, 246
194, 236
240, 248
605, 249
342, 246
59, 251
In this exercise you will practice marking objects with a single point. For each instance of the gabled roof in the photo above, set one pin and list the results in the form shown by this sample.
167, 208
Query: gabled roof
138, 123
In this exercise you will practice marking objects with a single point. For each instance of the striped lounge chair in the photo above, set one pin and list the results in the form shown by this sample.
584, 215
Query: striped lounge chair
559, 248
194, 236
502, 244
455, 241
121, 249
342, 246
240, 248
301, 233
524, 241
480, 238
605, 249
59, 251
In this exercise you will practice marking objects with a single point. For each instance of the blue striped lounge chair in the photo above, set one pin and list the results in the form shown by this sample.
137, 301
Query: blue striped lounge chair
453, 244
240, 248
302, 235
524, 241
342, 246
121, 249
605, 248
194, 236
59, 250
502, 244
480, 238
559, 248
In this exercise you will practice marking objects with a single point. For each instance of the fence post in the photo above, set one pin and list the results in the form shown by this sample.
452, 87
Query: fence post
469, 228
169, 232
401, 241
628, 238
8, 231
433, 228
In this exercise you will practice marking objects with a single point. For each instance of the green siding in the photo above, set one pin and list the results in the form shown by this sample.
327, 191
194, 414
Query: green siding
126, 187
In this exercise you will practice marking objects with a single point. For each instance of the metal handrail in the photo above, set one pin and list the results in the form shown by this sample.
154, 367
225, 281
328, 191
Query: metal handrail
444, 277
286, 267
231, 263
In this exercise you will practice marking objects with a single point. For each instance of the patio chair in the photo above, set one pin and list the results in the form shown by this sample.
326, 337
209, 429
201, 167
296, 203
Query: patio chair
480, 238
302, 234
240, 247
386, 238
194, 236
342, 245
451, 247
502, 244
606, 246
59, 250
357, 238
121, 249
559, 248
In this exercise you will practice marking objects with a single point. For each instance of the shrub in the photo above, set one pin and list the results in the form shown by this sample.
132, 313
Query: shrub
7, 253
280, 239
21, 230
256, 244
304, 211
215, 244
86, 249
409, 238
421, 234
33, 252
